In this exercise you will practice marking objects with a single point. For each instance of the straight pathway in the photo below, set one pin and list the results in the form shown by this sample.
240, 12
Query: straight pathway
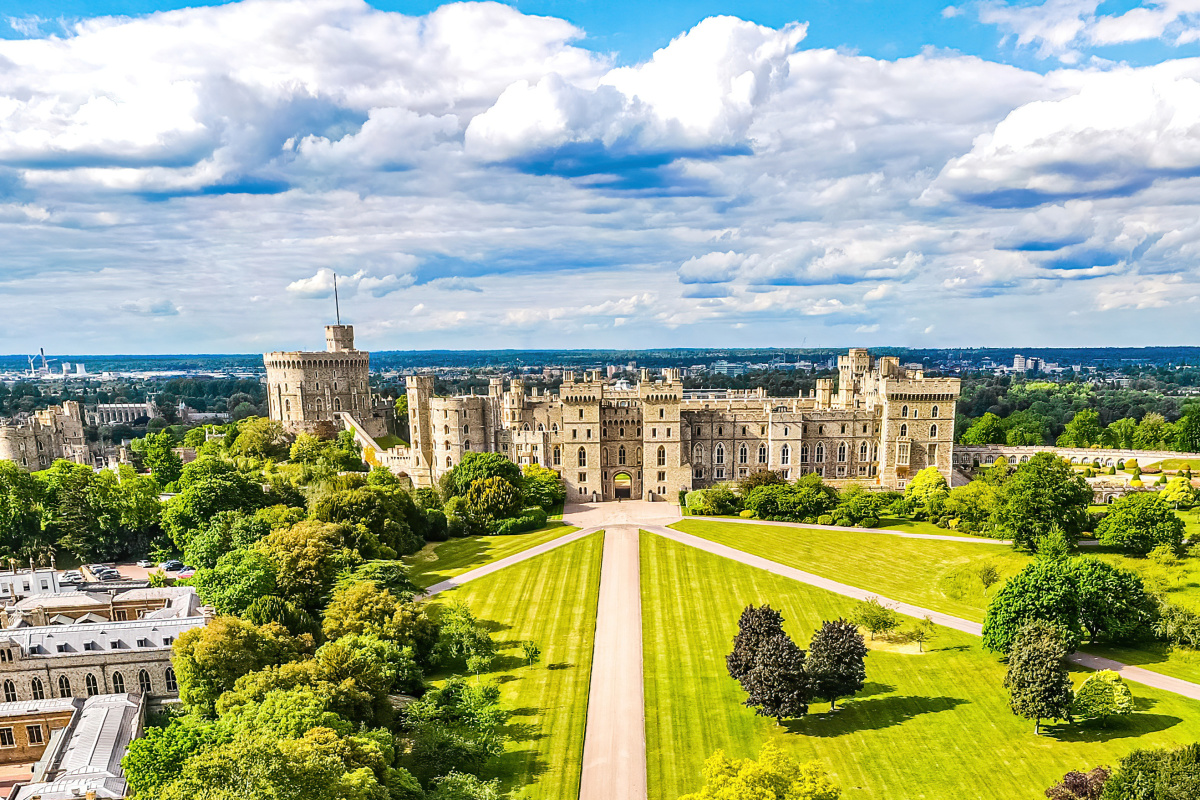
515, 558
614, 745
1126, 671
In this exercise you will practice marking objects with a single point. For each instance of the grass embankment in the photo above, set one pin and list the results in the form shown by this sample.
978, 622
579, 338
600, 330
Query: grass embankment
438, 561
389, 441
905, 525
551, 600
944, 576
926, 726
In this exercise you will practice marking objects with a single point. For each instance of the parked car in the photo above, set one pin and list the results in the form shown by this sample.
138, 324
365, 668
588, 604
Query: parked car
145, 563
186, 572
70, 577
171, 566
110, 576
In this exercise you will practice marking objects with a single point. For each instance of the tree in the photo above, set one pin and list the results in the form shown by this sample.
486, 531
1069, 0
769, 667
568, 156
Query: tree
927, 490
236, 581
460, 786
1179, 493
542, 487
856, 504
1119, 434
1187, 431
259, 437
972, 504
1084, 430
1140, 521
1153, 433
462, 637
1044, 492
387, 513
1080, 785
835, 663
307, 558
492, 499
158, 453
776, 684
21, 534
366, 608
755, 626
1102, 695
474, 466
157, 757
531, 651
1043, 591
762, 477
457, 727
774, 776
988, 575
1037, 680
1113, 604
875, 617
988, 429
269, 608
922, 632
1156, 774
226, 531
308, 449
207, 487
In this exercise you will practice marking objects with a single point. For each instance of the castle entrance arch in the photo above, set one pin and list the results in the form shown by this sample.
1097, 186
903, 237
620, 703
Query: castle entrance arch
623, 486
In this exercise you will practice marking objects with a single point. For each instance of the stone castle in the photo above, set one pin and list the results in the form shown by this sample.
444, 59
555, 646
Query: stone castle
36, 440
652, 439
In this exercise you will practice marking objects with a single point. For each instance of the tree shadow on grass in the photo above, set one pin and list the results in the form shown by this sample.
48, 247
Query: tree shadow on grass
872, 688
516, 768
1116, 728
560, 665
871, 714
493, 626
505, 663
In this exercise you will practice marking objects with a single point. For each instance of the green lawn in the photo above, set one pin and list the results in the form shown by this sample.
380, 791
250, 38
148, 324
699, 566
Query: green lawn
550, 599
932, 726
913, 526
438, 561
1179, 463
389, 441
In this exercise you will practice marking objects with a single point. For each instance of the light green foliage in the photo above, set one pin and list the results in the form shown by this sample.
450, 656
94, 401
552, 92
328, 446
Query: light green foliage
21, 535
236, 581
1179, 493
457, 726
1102, 695
155, 759
207, 487
988, 429
774, 776
719, 500
972, 505
226, 531
1042, 494
269, 608
1156, 774
531, 651
364, 608
1037, 680
1084, 430
875, 616
541, 486
159, 456
802, 501
1153, 433
307, 558
474, 466
463, 639
1140, 521
492, 499
259, 437
924, 631
856, 504
927, 490
1120, 434
459, 786
387, 515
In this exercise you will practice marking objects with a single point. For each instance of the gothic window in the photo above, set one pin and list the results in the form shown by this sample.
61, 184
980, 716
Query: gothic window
525, 427
10, 692
933, 431
337, 404
604, 456
933, 412
287, 405
466, 429
698, 454
804, 454
622, 434
541, 427
557, 456
172, 684
762, 454
820, 452
904, 411
449, 462
862, 452
719, 454
447, 444
39, 692
318, 405
144, 681
720, 431
582, 457
621, 454
743, 454
64, 686
639, 456
864, 427
662, 456
903, 431
842, 454
785, 430
89, 683
467, 445
785, 455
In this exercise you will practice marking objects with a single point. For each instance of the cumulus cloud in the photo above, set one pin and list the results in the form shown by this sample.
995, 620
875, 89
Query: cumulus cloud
321, 285
148, 307
711, 268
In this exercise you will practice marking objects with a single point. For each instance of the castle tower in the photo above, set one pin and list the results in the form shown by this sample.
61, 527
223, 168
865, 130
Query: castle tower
306, 390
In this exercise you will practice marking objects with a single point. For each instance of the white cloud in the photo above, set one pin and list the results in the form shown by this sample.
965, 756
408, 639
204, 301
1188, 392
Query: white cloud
711, 268
148, 307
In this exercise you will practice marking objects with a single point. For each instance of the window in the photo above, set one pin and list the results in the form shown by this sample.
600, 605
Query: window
933, 431
662, 413
64, 686
6, 656
449, 462
743, 430
89, 683
804, 454
172, 684
33, 734
743, 454
662, 476
118, 683
932, 450
862, 452
467, 429
785, 430
557, 456
915, 413
820, 453
903, 430
864, 427
144, 681
698, 473
842, 455
6, 738
762, 454
933, 412
720, 431
582, 457
583, 477
621, 454
581, 413
337, 404
467, 445
719, 454
785, 455
904, 411
843, 427
39, 692
720, 473
10, 692
662, 457
698, 454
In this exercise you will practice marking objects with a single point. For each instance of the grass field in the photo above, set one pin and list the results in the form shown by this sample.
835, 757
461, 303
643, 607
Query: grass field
914, 526
438, 561
930, 726
389, 441
550, 599
1180, 463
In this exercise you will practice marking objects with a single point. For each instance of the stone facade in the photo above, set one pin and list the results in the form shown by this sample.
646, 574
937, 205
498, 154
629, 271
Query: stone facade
73, 607
654, 438
35, 441
123, 413
309, 391
25, 727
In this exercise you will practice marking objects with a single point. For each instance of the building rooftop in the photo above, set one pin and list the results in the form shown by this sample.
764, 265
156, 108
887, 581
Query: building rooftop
68, 640
22, 707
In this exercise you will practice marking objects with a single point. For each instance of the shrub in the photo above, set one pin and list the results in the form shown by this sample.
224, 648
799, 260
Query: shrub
869, 522
1139, 522
1136, 483
437, 530
747, 514
824, 519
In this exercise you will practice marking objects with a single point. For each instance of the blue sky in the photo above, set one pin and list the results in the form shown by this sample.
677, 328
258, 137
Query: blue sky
598, 174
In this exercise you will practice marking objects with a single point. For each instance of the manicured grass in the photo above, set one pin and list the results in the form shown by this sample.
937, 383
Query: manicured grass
551, 600
438, 561
915, 526
388, 442
938, 575
926, 726
556, 512
1179, 463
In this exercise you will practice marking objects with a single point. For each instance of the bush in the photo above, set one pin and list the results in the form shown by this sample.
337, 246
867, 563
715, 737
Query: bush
1136, 483
1139, 522
437, 530
717, 501
824, 519
747, 514
531, 520
869, 522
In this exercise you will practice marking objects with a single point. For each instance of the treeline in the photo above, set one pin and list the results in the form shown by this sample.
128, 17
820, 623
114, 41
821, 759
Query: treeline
237, 396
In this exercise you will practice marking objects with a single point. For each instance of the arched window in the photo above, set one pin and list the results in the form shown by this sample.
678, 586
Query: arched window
804, 454
287, 405
862, 452
662, 456
581, 413
449, 462
842, 451
557, 456
720, 431
820, 453
89, 683
144, 682
785, 430
447, 444
467, 445
762, 454
743, 454
172, 684
916, 413
785, 455
447, 429
903, 431
820, 430
525, 427
582, 457
621, 454
541, 427
933, 412
698, 454
933, 431
843, 427
904, 411
337, 404
719, 454
467, 429
604, 456
64, 686
39, 692
10, 692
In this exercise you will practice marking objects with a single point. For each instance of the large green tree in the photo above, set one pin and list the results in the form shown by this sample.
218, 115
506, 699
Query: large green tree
1139, 522
1042, 495
1044, 591
988, 429
1084, 430
1037, 680
475, 466
158, 454
21, 534
1102, 695
836, 661
774, 776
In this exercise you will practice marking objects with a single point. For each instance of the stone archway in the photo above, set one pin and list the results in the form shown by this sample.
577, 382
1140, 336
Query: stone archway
623, 486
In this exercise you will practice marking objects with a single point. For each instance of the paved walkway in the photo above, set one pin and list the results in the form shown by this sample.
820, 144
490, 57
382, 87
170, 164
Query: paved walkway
516, 558
614, 746
1126, 671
